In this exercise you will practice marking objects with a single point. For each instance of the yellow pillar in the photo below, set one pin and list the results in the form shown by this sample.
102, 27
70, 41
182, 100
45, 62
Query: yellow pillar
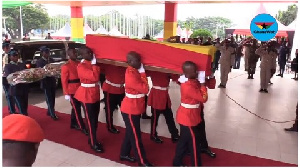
77, 24
170, 24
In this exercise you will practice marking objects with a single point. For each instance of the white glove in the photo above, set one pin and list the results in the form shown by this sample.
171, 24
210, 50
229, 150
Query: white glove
182, 79
201, 76
68, 97
94, 61
141, 70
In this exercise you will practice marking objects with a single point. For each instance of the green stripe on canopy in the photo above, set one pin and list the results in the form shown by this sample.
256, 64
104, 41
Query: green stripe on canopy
12, 3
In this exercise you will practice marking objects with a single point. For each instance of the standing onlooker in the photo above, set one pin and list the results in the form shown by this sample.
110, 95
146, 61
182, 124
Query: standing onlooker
294, 65
295, 125
239, 54
217, 55
246, 44
6, 39
208, 42
49, 36
283, 54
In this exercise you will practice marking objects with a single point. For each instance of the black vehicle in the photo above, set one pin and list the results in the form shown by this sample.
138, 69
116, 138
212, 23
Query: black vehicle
30, 51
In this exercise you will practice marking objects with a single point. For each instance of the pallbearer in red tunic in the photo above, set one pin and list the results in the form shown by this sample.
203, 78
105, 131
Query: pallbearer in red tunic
70, 83
160, 102
114, 92
133, 105
88, 94
193, 94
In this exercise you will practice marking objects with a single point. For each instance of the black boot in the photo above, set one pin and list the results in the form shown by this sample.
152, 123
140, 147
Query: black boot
294, 129
208, 152
75, 126
85, 131
54, 117
113, 130
175, 138
145, 165
98, 148
127, 158
156, 139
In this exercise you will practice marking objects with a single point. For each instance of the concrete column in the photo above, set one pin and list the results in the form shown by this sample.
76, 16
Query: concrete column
170, 24
77, 33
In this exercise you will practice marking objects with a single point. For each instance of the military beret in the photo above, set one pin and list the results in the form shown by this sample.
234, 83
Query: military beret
13, 52
44, 49
17, 127
5, 45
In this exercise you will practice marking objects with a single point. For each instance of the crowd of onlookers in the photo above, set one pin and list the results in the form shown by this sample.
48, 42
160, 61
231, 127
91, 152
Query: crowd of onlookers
243, 47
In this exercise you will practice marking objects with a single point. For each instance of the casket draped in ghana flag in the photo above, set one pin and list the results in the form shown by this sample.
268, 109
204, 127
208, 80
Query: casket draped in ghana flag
157, 54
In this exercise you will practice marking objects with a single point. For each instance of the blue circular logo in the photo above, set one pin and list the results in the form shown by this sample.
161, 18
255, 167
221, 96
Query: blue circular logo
264, 27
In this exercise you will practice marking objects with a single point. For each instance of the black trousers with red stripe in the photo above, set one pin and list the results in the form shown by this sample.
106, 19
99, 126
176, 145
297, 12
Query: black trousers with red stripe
201, 127
112, 101
189, 140
146, 101
133, 139
76, 117
92, 111
169, 120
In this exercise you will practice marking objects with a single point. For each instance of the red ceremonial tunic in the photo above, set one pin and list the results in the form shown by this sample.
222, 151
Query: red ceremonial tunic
88, 74
113, 75
191, 93
69, 77
135, 83
159, 98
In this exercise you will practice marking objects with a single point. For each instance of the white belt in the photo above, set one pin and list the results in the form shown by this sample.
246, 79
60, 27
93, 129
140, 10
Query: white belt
89, 85
113, 84
159, 88
190, 106
132, 96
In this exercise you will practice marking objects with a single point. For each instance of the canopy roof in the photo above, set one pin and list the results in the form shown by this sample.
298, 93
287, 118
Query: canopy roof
121, 3
88, 30
12, 4
244, 28
180, 32
293, 24
63, 32
115, 32
66, 31
101, 30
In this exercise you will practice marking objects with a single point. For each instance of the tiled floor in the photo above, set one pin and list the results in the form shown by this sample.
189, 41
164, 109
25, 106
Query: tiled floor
228, 126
